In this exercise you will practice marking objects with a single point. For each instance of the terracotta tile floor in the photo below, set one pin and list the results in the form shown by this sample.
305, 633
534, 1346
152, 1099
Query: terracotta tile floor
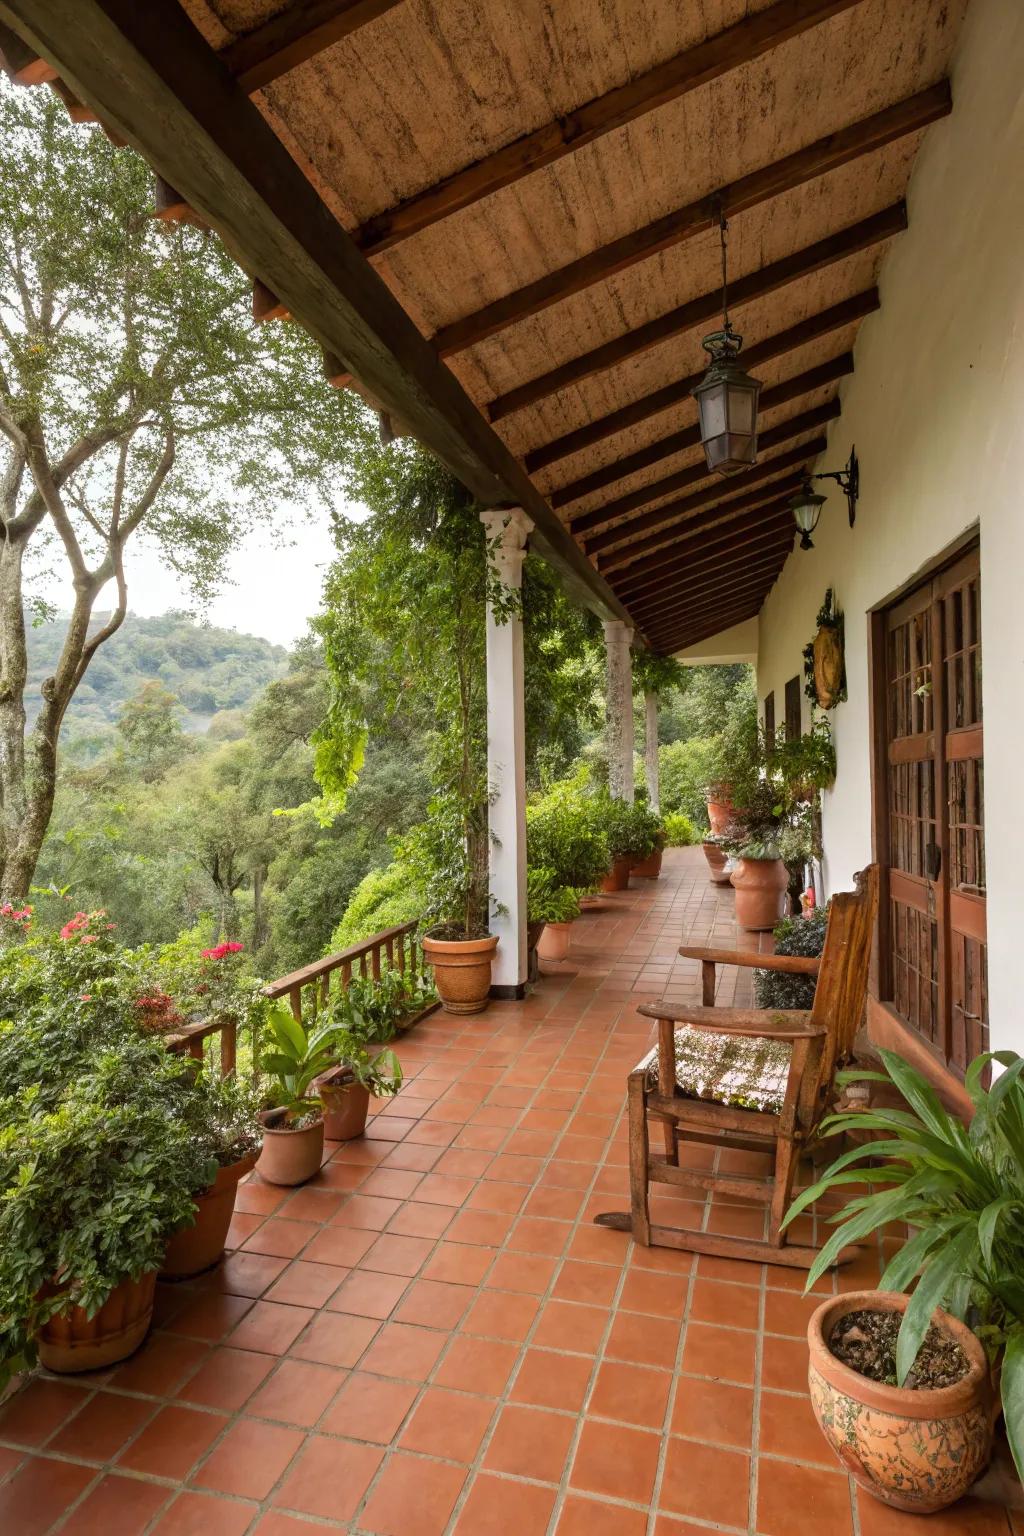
432, 1339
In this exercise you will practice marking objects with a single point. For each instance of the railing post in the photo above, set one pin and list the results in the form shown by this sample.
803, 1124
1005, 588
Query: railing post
507, 532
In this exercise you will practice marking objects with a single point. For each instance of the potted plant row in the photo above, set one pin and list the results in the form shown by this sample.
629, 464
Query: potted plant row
904, 1386
553, 908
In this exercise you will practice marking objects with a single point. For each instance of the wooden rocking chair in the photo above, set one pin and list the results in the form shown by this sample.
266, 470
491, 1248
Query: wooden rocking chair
754, 1079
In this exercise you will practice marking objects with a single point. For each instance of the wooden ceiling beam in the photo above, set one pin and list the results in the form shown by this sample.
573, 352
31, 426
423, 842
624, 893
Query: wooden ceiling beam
716, 518
835, 318
703, 631
708, 60
714, 570
304, 28
729, 537
826, 154
663, 522
719, 613
861, 236
681, 479
721, 598
689, 437
147, 71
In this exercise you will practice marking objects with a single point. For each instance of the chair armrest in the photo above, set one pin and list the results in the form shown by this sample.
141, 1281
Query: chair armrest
799, 965
754, 1023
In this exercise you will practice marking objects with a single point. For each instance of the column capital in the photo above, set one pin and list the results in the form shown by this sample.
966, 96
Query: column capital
617, 632
507, 529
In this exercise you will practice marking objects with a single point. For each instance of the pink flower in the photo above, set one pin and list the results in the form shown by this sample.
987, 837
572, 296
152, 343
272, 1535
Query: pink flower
220, 951
89, 938
72, 926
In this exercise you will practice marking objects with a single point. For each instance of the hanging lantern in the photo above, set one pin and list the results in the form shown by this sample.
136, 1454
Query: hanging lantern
806, 508
727, 395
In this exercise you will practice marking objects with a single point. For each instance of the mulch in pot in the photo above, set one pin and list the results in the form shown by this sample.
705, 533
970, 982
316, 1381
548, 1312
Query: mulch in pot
866, 1342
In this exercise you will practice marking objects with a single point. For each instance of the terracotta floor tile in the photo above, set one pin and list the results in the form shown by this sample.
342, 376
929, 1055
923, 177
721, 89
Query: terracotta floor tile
725, 1354
250, 1459
713, 1410
796, 1501
391, 1183
789, 1428
172, 1442
369, 1294
39, 1492
592, 1517
461, 1263
210, 1316
226, 1379
255, 1194
529, 1273
312, 1204
644, 1340
335, 1338
549, 1380
337, 1175
372, 1212
398, 1255
498, 1506
412, 1157
160, 1366
538, 1234
616, 1462
969, 1517
304, 1284
415, 1220
343, 1246
122, 1504
404, 1351
488, 1229
32, 1415
729, 1306
784, 1363
329, 1478
106, 1423
297, 1393
270, 1328
501, 1315
281, 1238
248, 1274
787, 1313
600, 1245
495, 1195
559, 1204
633, 1394
370, 1408
572, 1326
477, 1365
203, 1514
448, 1424
530, 1442
595, 1284
412, 1497
463, 1163
650, 1291
707, 1482
434, 1304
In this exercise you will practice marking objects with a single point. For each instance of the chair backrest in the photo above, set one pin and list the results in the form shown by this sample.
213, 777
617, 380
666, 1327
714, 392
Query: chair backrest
843, 977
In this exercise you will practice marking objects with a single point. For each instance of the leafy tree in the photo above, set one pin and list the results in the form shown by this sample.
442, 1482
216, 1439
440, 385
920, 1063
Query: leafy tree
150, 729
136, 397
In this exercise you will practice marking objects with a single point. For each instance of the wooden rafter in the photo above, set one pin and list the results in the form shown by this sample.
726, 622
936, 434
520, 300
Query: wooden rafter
693, 474
688, 437
716, 570
663, 522
706, 61
726, 539
303, 29
756, 285
721, 600
835, 318
770, 181
736, 513
674, 644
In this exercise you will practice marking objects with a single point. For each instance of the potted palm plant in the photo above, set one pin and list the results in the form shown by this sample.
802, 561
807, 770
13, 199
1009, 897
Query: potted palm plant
913, 1440
293, 1128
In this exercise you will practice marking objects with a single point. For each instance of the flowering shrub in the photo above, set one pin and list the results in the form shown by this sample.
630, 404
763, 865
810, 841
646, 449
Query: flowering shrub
14, 922
220, 951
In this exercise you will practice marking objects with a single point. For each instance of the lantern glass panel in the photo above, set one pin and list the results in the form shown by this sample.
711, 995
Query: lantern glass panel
712, 408
742, 408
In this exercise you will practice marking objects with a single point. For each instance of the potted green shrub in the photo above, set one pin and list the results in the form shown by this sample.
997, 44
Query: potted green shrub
553, 908
760, 878
632, 831
346, 1089
792, 936
448, 855
679, 830
565, 834
293, 1128
960, 1191
223, 1118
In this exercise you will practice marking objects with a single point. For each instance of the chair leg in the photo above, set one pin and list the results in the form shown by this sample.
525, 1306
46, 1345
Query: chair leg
639, 1155
785, 1171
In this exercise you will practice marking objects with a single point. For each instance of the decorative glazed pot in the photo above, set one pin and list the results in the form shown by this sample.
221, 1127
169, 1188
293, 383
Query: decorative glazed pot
917, 1451
72, 1342
720, 811
291, 1154
190, 1250
346, 1104
554, 941
649, 868
462, 971
760, 886
617, 878
718, 861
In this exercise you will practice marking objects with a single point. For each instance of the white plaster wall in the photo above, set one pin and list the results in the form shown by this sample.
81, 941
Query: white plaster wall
936, 410
738, 643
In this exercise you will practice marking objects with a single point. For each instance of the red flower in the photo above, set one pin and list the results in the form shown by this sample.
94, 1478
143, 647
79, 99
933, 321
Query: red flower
220, 951
74, 924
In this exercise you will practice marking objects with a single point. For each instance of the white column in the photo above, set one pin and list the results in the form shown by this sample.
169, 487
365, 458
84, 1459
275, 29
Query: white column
618, 637
651, 773
507, 532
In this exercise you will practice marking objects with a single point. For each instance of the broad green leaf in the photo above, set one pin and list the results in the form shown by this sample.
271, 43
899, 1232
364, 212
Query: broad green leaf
931, 1292
1012, 1391
989, 1220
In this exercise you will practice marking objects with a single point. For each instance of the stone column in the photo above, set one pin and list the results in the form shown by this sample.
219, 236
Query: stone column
651, 773
507, 532
618, 637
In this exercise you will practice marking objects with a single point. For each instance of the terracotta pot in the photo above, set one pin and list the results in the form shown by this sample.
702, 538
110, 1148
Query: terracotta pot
760, 886
649, 868
554, 941
192, 1249
617, 878
718, 861
917, 1451
720, 812
346, 1104
72, 1342
462, 971
289, 1156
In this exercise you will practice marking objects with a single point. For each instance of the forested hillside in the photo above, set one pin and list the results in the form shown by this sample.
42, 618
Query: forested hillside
209, 671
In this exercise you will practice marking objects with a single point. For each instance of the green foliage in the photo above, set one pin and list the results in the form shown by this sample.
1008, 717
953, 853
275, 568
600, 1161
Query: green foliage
384, 898
374, 1010
793, 936
805, 765
633, 830
685, 769
961, 1192
566, 834
547, 901
294, 1056
679, 830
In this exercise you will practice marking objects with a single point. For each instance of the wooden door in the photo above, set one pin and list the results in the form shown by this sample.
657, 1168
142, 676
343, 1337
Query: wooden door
930, 818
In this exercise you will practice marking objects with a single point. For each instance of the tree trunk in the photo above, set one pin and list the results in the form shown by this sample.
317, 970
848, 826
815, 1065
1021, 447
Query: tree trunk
651, 766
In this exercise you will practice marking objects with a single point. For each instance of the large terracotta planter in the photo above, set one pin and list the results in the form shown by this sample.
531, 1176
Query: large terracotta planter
917, 1451
617, 878
649, 868
72, 1342
192, 1249
718, 862
290, 1156
554, 941
760, 886
720, 812
462, 971
346, 1104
